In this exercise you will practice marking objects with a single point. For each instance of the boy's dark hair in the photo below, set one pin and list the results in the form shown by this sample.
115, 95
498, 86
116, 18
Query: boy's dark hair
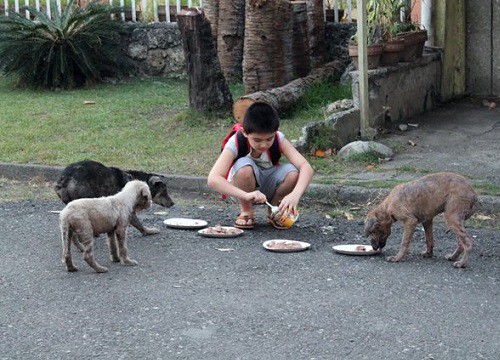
261, 118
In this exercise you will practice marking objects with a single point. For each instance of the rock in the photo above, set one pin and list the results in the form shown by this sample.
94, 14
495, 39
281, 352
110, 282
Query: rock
339, 105
403, 127
360, 147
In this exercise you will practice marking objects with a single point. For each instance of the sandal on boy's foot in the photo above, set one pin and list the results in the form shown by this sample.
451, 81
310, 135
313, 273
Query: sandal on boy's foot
273, 223
249, 222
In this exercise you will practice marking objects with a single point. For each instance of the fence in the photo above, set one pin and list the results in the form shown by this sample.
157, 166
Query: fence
154, 11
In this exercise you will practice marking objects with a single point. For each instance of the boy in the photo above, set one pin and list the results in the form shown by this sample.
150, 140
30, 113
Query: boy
257, 176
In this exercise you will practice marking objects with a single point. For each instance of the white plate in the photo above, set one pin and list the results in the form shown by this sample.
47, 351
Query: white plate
298, 245
181, 223
236, 232
351, 249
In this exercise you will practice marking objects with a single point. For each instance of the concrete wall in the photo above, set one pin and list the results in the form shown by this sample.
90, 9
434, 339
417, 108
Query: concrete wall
396, 93
483, 47
401, 91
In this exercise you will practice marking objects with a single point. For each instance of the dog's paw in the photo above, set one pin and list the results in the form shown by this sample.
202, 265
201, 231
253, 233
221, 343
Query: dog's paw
151, 231
426, 254
459, 264
393, 259
129, 262
72, 269
100, 269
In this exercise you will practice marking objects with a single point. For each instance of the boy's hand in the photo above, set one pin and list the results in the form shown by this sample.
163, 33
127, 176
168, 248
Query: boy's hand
256, 197
289, 203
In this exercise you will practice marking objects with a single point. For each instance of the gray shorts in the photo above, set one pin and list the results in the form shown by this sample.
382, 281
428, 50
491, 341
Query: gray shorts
268, 180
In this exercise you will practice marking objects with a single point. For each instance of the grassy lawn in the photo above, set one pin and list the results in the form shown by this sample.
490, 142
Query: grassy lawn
141, 124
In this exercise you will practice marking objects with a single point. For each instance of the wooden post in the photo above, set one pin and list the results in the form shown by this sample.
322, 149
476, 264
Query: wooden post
208, 89
364, 110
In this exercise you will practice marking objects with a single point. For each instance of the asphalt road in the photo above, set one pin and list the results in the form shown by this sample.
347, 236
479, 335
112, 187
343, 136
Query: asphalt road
188, 300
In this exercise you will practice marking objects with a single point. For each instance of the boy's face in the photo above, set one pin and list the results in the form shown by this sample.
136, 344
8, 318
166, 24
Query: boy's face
260, 142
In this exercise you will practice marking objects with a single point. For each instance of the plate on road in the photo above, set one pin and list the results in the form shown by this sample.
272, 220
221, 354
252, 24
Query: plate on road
220, 232
182, 223
355, 249
282, 245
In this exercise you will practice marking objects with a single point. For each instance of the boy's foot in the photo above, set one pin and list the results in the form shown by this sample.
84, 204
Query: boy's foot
244, 221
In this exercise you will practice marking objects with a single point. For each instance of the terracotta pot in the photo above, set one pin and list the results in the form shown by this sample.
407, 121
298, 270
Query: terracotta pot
414, 44
374, 53
393, 51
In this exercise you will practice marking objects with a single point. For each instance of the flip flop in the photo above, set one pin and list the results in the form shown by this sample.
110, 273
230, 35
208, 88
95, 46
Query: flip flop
246, 218
276, 226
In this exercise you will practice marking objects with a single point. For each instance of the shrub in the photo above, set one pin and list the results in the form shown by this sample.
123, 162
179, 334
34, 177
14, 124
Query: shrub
77, 47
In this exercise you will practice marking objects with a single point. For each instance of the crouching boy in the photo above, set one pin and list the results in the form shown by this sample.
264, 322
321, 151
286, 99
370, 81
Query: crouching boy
248, 167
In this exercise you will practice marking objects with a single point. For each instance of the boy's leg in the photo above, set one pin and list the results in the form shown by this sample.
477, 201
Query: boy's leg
286, 187
244, 177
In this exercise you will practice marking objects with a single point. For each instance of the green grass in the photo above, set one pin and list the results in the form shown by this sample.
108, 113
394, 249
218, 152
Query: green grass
139, 124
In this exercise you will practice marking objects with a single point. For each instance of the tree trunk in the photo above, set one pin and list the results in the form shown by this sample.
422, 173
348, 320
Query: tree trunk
285, 97
208, 89
300, 52
316, 31
231, 32
211, 10
268, 25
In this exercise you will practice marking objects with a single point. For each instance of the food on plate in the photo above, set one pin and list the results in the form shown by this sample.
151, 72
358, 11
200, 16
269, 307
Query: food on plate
284, 245
360, 248
218, 229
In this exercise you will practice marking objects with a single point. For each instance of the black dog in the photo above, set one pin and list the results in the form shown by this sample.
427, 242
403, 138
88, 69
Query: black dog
91, 179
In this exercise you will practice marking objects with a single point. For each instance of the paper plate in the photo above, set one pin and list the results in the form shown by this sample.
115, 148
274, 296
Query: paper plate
282, 245
181, 223
355, 249
220, 232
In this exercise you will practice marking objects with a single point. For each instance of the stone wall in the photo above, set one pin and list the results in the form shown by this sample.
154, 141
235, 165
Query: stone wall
156, 48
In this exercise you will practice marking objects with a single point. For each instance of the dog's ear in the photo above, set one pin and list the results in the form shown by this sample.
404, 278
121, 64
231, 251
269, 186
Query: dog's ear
371, 223
153, 180
145, 192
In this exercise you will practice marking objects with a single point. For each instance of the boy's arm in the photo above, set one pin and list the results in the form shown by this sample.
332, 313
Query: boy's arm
306, 173
218, 182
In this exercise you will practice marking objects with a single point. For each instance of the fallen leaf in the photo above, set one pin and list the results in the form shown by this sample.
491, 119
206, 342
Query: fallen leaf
87, 102
348, 215
328, 216
411, 143
320, 153
370, 167
482, 217
328, 152
312, 150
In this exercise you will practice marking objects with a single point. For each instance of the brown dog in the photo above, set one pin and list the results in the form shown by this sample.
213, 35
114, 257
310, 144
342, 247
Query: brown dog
419, 201
111, 215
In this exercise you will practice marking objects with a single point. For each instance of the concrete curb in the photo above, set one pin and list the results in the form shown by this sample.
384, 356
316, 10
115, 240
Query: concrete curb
319, 193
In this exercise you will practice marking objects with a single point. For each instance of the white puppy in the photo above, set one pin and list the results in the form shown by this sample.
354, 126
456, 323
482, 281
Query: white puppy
111, 215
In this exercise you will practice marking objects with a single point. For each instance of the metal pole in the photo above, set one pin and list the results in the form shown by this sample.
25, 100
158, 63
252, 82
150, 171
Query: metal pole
364, 113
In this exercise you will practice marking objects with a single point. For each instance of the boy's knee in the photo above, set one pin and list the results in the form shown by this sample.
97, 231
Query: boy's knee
292, 177
245, 173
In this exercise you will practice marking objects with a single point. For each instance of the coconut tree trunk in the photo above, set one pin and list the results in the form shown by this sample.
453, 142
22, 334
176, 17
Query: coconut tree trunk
300, 51
211, 10
285, 97
316, 31
231, 32
208, 89
267, 45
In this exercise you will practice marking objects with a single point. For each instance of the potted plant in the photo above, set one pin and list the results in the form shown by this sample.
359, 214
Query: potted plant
394, 46
375, 45
413, 35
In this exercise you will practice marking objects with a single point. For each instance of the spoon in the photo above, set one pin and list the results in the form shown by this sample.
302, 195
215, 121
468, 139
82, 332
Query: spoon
274, 209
